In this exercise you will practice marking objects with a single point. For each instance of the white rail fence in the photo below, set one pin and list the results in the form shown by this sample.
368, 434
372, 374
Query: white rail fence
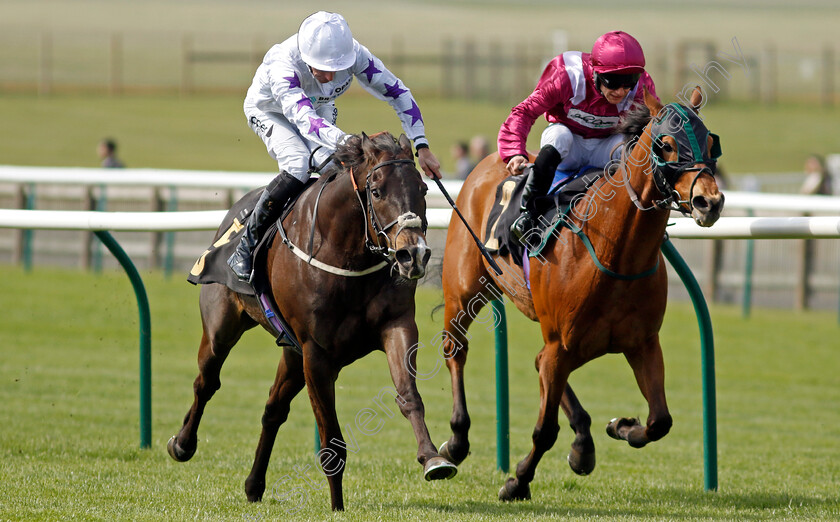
804, 269
681, 228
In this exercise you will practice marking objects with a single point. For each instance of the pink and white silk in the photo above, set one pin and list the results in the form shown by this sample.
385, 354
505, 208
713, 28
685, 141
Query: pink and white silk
566, 94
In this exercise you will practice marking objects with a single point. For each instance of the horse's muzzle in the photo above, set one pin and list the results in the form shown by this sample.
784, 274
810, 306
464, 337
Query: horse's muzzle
411, 260
706, 209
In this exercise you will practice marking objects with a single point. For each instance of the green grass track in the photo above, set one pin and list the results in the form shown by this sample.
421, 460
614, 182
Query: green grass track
69, 441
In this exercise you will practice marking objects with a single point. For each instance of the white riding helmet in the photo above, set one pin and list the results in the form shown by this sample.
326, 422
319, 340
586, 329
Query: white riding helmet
325, 42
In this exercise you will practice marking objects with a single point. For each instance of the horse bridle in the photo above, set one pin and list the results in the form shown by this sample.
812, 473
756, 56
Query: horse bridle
666, 174
372, 221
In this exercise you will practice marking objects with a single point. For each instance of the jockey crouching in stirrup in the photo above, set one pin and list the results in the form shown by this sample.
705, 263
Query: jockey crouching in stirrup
290, 105
582, 96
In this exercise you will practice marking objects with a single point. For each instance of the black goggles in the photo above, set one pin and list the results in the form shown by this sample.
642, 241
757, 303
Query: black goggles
617, 81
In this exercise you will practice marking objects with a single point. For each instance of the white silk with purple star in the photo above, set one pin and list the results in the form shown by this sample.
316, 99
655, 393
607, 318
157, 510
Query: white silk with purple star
284, 85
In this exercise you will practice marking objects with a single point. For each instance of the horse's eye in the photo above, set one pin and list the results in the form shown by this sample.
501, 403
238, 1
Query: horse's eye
667, 148
375, 193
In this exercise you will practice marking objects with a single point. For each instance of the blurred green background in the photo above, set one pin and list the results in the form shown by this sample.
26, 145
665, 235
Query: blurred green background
142, 71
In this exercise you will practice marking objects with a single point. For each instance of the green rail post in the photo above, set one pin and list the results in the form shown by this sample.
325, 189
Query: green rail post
707, 349
28, 234
502, 392
145, 336
101, 206
169, 237
749, 263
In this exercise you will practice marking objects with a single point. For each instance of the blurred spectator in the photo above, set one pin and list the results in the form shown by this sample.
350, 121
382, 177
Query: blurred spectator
479, 149
463, 165
107, 150
817, 179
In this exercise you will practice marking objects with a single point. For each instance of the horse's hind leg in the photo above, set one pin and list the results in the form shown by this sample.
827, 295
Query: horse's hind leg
287, 384
582, 454
552, 385
649, 370
224, 323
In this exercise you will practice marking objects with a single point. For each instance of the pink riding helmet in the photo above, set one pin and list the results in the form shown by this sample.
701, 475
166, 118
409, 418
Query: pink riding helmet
617, 52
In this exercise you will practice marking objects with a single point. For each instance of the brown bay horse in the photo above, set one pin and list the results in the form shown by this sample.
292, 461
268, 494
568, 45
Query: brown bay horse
585, 311
372, 210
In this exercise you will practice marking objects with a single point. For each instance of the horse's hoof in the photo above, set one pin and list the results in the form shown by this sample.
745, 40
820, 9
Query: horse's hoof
513, 491
445, 453
438, 468
254, 490
176, 452
617, 424
581, 463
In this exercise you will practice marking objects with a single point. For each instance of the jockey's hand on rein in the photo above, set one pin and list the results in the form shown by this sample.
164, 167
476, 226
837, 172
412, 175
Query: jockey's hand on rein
428, 162
516, 164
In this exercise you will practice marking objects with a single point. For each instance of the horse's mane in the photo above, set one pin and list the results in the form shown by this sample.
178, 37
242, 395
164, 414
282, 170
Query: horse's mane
351, 155
634, 121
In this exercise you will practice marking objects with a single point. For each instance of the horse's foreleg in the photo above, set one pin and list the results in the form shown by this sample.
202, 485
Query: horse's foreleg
457, 447
400, 342
287, 384
320, 383
552, 385
223, 326
582, 454
460, 312
649, 370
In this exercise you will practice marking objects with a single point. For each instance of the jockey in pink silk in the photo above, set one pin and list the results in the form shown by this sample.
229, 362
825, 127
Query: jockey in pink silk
582, 95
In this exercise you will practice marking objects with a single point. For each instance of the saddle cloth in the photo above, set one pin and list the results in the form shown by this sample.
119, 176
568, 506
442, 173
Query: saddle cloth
212, 267
565, 187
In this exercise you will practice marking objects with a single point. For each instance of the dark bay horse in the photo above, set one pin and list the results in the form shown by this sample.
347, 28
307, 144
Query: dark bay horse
585, 311
373, 210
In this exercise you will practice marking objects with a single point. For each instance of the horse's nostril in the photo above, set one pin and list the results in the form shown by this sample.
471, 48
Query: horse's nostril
403, 256
426, 256
700, 203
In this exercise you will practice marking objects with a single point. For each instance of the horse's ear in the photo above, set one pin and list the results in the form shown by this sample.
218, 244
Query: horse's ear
696, 100
651, 102
367, 145
405, 143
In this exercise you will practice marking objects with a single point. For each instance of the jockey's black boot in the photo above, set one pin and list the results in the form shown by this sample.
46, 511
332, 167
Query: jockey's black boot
268, 209
540, 176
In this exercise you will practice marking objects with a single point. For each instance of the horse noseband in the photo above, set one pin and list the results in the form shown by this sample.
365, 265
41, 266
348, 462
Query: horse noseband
665, 177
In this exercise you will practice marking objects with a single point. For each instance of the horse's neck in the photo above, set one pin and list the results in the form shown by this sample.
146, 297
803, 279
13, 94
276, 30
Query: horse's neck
339, 221
632, 236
